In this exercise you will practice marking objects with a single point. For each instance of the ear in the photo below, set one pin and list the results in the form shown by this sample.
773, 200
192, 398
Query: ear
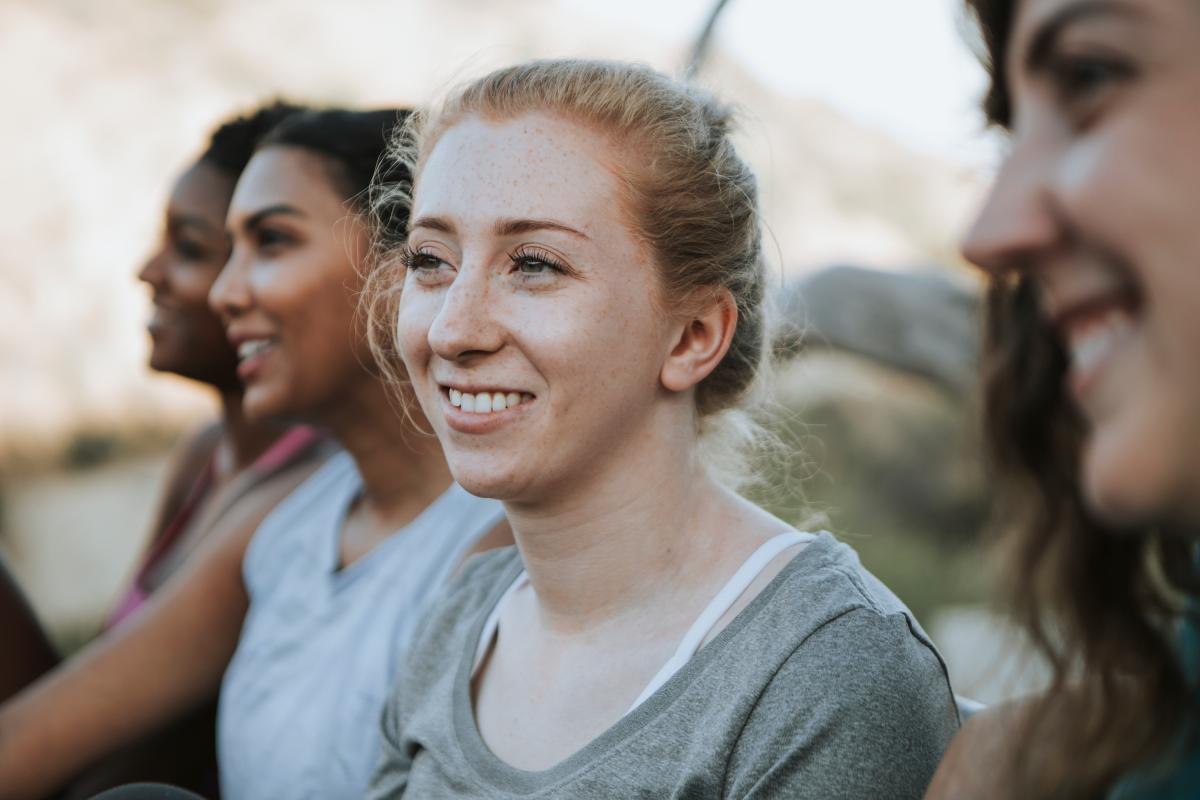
700, 340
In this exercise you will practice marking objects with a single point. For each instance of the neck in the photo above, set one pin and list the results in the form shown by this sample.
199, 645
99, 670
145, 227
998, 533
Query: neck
242, 440
399, 465
651, 524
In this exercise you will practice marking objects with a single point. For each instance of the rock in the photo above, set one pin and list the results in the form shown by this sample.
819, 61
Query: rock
919, 322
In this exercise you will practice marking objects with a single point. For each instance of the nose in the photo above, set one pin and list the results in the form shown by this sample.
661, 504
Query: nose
465, 323
1018, 218
154, 271
230, 294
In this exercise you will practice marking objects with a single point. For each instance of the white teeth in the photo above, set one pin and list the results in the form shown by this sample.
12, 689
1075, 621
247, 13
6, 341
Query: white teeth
251, 348
486, 402
1097, 343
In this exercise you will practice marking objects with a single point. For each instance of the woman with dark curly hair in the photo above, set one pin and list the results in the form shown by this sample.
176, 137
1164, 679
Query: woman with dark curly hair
1092, 394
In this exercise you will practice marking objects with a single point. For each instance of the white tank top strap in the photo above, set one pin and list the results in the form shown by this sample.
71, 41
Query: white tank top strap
493, 621
751, 568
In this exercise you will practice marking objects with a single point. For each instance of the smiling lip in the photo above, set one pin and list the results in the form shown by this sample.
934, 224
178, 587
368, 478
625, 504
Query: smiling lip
253, 351
1094, 331
160, 318
455, 397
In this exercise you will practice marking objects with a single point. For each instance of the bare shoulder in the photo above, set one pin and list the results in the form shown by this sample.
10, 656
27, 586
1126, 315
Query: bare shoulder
981, 754
238, 523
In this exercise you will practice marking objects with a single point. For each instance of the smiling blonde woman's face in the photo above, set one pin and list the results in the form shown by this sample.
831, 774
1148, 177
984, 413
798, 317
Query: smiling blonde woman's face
528, 321
1099, 200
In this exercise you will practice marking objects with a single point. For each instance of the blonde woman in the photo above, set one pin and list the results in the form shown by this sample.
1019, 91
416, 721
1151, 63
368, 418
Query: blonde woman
582, 305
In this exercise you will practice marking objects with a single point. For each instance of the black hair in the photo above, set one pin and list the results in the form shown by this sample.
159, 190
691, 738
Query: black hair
352, 141
234, 142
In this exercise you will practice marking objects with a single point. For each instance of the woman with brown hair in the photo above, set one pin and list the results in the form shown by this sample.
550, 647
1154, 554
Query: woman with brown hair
1092, 394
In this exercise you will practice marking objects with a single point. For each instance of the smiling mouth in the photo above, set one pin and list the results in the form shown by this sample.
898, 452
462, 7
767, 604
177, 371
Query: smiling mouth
253, 347
485, 402
1093, 332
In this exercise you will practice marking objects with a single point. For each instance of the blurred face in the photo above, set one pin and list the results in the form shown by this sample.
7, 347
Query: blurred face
187, 336
1098, 202
527, 319
287, 293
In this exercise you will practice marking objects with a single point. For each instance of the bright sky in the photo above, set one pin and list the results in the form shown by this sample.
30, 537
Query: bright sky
900, 65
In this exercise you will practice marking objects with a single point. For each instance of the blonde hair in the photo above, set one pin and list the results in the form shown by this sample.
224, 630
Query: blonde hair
688, 195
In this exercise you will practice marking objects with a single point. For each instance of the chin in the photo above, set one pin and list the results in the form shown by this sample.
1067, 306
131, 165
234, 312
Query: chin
489, 486
1124, 487
161, 359
483, 477
259, 403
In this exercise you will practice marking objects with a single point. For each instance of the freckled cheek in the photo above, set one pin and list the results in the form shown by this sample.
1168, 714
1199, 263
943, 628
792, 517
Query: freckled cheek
414, 318
605, 351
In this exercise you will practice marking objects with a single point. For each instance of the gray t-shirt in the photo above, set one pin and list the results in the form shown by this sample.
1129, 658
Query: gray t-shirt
824, 686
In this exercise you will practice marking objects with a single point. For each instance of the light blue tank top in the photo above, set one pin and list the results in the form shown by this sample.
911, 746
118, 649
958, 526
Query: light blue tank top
301, 700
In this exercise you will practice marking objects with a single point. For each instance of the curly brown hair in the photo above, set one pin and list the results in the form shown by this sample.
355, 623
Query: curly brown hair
1101, 602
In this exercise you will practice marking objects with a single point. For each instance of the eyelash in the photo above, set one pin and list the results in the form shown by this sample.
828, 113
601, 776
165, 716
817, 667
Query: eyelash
536, 255
1081, 79
268, 238
416, 260
190, 251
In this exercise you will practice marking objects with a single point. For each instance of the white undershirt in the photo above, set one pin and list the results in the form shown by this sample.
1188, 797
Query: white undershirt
750, 569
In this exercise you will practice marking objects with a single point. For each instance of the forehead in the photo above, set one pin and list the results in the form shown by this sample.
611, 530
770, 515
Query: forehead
535, 166
283, 175
203, 191
1035, 18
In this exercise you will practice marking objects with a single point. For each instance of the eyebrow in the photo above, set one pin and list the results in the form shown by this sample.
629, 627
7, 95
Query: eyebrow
504, 227
192, 221
1045, 39
258, 217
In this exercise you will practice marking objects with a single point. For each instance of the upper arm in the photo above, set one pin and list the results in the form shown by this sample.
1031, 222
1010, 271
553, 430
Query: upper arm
27, 651
164, 660
982, 750
391, 771
861, 708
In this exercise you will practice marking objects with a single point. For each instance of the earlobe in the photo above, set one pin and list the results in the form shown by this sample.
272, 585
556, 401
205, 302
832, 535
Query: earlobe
701, 341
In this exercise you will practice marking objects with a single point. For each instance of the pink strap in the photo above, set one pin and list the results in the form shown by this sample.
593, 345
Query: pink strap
294, 442
287, 447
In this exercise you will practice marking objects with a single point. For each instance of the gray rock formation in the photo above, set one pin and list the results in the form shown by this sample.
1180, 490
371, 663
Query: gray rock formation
925, 323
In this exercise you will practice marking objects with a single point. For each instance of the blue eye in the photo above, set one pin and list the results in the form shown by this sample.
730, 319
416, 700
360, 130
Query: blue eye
532, 262
533, 266
420, 260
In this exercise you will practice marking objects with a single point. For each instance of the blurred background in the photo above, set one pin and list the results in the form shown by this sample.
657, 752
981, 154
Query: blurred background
858, 116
